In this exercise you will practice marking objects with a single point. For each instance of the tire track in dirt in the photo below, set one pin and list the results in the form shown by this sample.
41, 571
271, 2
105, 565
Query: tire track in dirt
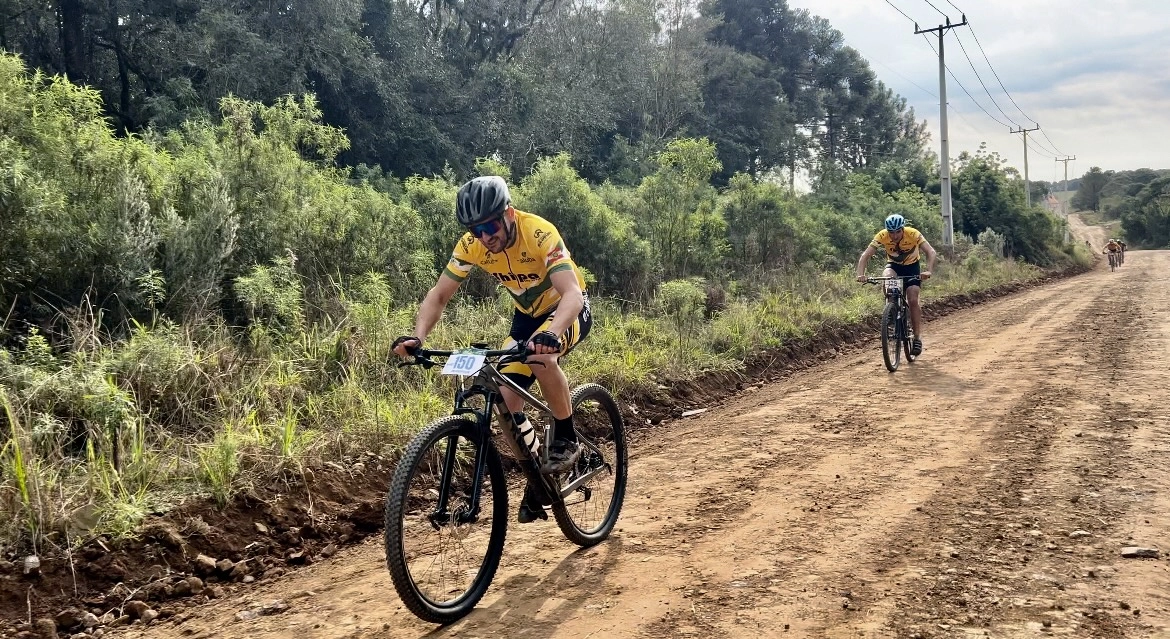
820, 505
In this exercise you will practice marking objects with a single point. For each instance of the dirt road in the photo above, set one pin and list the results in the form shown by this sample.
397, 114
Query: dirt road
986, 490
1097, 236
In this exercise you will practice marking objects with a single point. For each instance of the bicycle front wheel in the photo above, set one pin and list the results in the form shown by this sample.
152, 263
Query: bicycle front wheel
591, 509
442, 556
891, 352
905, 334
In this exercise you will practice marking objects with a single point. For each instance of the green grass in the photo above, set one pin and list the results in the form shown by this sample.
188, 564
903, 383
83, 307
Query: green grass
98, 437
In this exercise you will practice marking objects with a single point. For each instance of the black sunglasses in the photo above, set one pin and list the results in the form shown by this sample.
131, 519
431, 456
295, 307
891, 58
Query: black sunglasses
490, 227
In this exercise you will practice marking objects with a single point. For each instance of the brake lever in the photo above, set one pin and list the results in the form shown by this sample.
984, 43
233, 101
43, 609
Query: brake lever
518, 357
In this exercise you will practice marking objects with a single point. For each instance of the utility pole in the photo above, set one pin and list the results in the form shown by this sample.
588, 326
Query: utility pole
1066, 160
945, 160
1027, 185
1064, 188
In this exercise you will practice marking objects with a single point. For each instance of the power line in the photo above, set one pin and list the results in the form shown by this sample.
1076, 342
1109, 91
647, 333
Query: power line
1045, 153
962, 117
901, 12
1055, 150
1045, 134
976, 102
895, 71
936, 9
980, 79
1046, 149
1005, 91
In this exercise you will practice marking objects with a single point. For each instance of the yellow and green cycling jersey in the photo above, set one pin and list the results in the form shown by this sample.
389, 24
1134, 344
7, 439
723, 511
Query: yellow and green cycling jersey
904, 251
523, 268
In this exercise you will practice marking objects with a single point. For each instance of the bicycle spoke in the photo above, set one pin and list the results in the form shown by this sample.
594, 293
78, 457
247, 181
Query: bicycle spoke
597, 482
441, 563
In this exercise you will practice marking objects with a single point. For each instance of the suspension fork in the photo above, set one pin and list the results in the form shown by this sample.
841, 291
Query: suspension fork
471, 513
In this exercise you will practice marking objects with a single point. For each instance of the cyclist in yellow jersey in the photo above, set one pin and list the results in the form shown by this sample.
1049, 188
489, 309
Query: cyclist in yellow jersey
1113, 249
526, 254
903, 246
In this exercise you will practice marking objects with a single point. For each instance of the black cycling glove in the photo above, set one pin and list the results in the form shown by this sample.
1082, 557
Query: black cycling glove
547, 338
407, 338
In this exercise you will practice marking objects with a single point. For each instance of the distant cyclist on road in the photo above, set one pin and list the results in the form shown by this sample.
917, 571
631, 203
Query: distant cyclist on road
902, 245
1113, 250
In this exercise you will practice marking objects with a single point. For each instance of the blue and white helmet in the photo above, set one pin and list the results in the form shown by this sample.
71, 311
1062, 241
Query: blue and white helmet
895, 223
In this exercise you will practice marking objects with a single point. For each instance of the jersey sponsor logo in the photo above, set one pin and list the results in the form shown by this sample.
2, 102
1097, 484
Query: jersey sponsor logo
519, 278
541, 236
489, 259
467, 242
524, 259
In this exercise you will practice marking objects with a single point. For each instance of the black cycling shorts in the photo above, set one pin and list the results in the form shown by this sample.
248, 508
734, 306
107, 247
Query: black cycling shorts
907, 270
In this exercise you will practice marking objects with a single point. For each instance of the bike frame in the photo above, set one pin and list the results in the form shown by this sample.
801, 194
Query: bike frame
488, 383
898, 296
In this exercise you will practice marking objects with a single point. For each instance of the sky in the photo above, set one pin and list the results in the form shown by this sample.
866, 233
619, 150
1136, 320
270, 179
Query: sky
1094, 75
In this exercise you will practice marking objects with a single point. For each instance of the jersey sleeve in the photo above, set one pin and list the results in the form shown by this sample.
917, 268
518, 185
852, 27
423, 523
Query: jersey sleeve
462, 259
919, 239
557, 257
878, 242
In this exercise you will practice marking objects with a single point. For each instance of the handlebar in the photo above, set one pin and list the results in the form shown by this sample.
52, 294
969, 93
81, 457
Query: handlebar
423, 356
875, 280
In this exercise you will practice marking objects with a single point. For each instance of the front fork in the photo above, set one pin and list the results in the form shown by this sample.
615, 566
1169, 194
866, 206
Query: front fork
470, 513
902, 318
442, 515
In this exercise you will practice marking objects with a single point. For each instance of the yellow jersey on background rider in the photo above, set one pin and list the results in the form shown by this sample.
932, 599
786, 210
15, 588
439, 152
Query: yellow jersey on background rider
522, 268
904, 251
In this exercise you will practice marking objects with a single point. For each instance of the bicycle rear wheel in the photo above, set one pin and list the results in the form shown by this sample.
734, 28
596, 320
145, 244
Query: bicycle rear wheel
589, 513
891, 352
442, 560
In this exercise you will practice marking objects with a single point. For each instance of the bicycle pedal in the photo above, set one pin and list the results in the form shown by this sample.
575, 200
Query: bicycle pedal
528, 515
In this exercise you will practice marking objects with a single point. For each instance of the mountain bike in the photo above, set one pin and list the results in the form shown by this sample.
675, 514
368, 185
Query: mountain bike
1114, 261
896, 336
447, 506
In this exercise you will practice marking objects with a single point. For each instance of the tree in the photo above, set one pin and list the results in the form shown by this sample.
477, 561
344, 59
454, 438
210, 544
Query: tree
1088, 195
1146, 220
678, 209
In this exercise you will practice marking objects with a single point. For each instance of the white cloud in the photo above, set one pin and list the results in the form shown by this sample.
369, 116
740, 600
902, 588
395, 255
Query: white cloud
1095, 75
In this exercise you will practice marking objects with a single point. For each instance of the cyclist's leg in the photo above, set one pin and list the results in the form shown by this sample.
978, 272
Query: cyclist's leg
565, 448
545, 368
912, 289
523, 326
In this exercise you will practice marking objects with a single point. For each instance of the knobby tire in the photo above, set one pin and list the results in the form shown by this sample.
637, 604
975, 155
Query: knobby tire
605, 428
891, 351
401, 502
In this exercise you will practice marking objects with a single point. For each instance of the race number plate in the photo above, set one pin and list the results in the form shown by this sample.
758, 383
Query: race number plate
893, 285
465, 362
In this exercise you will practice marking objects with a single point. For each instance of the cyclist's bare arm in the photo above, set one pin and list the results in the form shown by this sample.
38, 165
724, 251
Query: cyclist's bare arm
572, 301
931, 256
431, 309
865, 255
